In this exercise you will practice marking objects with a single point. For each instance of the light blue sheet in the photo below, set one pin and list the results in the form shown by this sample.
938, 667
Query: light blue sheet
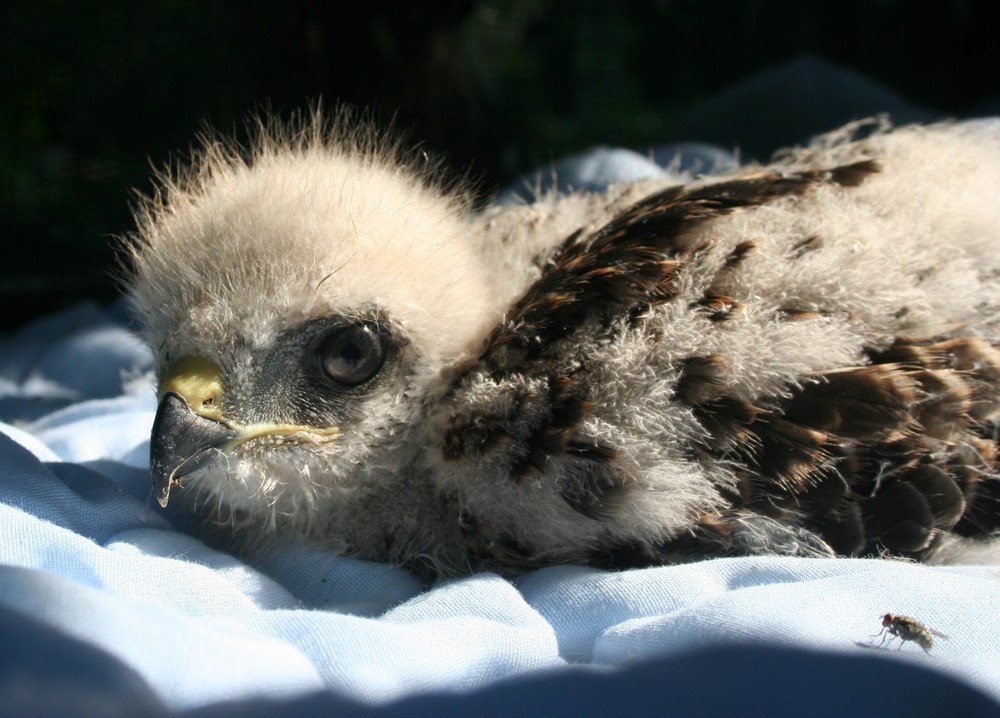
110, 603
86, 552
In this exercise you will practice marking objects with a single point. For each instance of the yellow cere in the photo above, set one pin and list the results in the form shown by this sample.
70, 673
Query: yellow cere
199, 381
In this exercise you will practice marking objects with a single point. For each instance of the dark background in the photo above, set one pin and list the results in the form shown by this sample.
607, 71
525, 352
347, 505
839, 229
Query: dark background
95, 93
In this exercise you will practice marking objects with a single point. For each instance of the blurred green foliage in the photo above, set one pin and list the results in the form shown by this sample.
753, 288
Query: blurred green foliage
94, 93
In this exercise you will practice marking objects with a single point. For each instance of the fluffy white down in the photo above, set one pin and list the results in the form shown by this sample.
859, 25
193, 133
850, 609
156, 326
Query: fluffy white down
308, 226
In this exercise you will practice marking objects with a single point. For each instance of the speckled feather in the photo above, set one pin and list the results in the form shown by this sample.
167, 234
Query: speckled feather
860, 456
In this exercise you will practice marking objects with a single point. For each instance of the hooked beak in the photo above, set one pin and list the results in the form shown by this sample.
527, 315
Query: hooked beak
190, 430
182, 442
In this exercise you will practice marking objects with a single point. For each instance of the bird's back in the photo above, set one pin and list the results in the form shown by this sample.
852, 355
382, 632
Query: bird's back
799, 359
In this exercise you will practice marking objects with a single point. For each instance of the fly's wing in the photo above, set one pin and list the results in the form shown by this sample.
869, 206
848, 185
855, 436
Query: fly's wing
886, 455
937, 633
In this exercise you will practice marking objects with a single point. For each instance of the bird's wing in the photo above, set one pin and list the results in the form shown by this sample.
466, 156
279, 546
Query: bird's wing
854, 455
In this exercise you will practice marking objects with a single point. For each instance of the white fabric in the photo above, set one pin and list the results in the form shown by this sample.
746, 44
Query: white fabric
86, 552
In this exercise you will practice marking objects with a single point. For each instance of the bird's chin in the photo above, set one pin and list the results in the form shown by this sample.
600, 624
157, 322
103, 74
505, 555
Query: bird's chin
244, 484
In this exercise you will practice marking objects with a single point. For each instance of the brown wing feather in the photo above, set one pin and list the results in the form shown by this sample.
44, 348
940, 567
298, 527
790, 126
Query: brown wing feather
881, 457
885, 457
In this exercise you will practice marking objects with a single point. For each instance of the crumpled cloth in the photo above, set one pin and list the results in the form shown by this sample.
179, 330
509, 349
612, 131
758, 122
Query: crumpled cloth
110, 605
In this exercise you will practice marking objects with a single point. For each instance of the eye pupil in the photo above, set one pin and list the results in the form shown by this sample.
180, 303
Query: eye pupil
352, 355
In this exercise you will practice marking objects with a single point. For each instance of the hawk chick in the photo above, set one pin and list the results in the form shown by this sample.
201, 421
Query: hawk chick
795, 359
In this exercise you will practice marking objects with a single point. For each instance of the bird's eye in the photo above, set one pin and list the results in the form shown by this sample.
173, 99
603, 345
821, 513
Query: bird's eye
352, 355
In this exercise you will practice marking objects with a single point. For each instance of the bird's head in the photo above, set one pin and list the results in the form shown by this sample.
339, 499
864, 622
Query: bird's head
301, 303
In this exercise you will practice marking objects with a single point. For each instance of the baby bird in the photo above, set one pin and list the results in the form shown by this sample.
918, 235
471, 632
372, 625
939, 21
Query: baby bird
796, 359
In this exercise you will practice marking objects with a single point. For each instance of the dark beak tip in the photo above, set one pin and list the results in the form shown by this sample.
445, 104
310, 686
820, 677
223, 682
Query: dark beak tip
181, 443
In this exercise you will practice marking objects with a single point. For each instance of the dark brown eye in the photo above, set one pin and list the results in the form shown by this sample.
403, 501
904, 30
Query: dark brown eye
352, 355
